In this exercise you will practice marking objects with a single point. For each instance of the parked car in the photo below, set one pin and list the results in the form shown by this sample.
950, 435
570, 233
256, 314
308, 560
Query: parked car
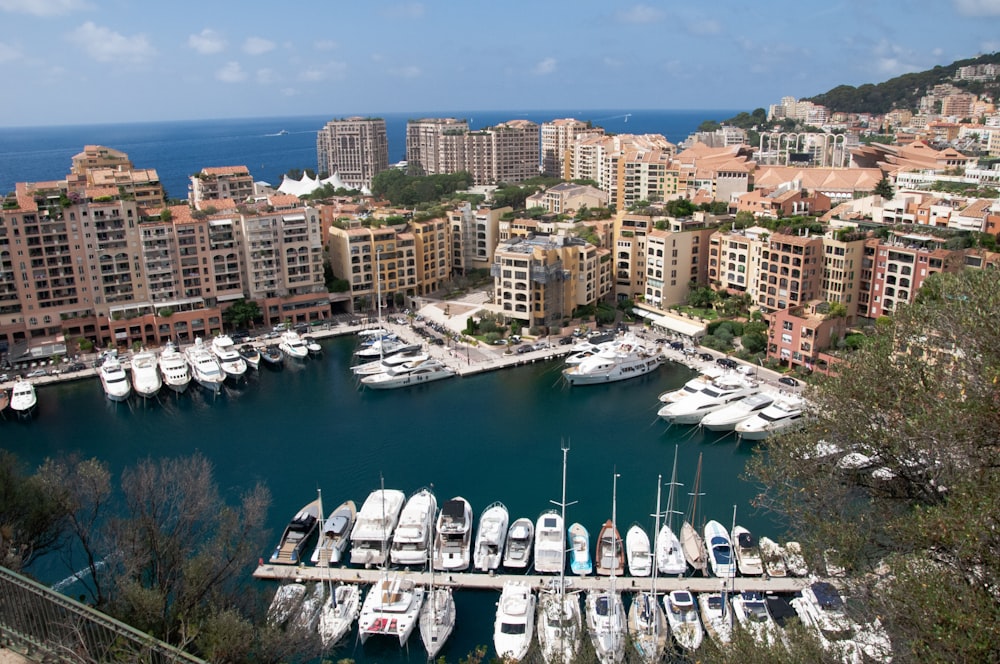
726, 362
37, 373
708, 357
566, 341
76, 366
789, 381
677, 345
521, 350
690, 352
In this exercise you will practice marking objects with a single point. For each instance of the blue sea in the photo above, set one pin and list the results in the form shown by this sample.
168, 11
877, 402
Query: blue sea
178, 149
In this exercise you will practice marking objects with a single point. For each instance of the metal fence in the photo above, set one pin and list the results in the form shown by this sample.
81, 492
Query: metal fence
47, 626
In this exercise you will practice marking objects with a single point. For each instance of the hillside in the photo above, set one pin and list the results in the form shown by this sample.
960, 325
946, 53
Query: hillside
903, 91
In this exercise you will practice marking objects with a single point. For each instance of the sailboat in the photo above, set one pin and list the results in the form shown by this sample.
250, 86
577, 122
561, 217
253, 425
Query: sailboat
669, 554
338, 612
605, 611
437, 615
691, 540
559, 619
646, 623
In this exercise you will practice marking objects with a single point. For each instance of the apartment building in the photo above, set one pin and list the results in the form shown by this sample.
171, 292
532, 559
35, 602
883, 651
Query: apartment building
642, 176
797, 337
567, 197
843, 258
790, 271
785, 200
734, 259
675, 257
899, 265
221, 182
426, 148
474, 236
556, 138
354, 148
630, 233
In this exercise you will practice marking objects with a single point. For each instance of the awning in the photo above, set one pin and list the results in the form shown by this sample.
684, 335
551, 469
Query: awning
229, 297
645, 314
681, 326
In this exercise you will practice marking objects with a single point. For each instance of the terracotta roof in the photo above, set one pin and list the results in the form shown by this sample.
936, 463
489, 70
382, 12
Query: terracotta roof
226, 170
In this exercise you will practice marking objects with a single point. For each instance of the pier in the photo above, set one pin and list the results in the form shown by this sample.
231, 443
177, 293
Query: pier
491, 581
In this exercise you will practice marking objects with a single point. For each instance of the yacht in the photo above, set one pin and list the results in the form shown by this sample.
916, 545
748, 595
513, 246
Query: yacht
716, 616
338, 613
386, 363
272, 356
715, 396
229, 357
174, 368
669, 554
391, 607
312, 346
411, 542
374, 525
514, 626
145, 378
334, 535
287, 598
751, 613
560, 625
114, 379
550, 543
453, 543
647, 627
297, 533
693, 386
606, 623
437, 620
785, 413
490, 537
682, 615
250, 355
205, 368
581, 351
308, 613
610, 556
720, 550
520, 539
821, 608
23, 398
409, 373
637, 551
773, 557
748, 558
726, 419
291, 344
627, 357
385, 346
580, 561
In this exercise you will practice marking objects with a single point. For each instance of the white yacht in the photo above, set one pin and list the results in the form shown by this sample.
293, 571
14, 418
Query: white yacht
490, 537
374, 525
391, 607
409, 373
669, 554
338, 613
229, 357
647, 627
560, 626
606, 623
637, 551
682, 615
514, 626
114, 379
748, 558
334, 535
550, 543
23, 398
287, 598
386, 363
411, 542
720, 550
785, 413
581, 351
726, 419
205, 368
520, 539
437, 619
693, 386
751, 613
627, 357
453, 543
385, 346
821, 608
291, 344
250, 355
716, 616
145, 378
716, 396
174, 368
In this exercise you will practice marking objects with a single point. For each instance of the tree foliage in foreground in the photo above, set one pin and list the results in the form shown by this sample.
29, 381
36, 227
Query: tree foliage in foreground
920, 537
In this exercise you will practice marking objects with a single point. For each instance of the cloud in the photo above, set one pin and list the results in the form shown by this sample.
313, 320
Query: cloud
289, 92
106, 45
266, 75
893, 60
257, 45
43, 7
978, 7
409, 71
325, 45
207, 42
8, 53
703, 27
406, 11
323, 72
641, 14
546, 66
989, 46
231, 72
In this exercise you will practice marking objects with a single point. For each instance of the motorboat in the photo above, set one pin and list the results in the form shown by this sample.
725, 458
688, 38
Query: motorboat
229, 357
782, 612
720, 550
307, 616
372, 333
628, 357
772, 555
411, 543
514, 626
23, 398
391, 608
285, 603
250, 355
610, 554
560, 626
751, 613
386, 363
682, 616
716, 616
785, 413
338, 613
453, 541
385, 346
335, 535
581, 351
669, 554
726, 419
693, 386
409, 373
720, 393
145, 378
312, 346
748, 558
114, 379
637, 551
373, 528
437, 619
490, 537
606, 624
579, 553
820, 607
174, 368
550, 543
297, 533
647, 627
272, 356
205, 368
520, 541
291, 344
795, 562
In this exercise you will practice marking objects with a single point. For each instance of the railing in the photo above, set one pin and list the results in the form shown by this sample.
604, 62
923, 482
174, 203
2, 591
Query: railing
48, 626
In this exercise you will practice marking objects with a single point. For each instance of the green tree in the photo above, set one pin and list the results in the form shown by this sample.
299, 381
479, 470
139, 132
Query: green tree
242, 313
884, 188
31, 521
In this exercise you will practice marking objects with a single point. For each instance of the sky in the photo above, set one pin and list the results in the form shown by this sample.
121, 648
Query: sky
67, 62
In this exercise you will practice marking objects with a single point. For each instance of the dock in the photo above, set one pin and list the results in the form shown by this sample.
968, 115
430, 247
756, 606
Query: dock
491, 581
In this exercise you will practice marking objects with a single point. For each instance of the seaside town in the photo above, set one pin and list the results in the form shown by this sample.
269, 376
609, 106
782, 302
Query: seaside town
758, 251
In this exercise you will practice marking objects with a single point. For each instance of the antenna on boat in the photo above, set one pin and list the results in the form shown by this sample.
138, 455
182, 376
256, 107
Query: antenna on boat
564, 445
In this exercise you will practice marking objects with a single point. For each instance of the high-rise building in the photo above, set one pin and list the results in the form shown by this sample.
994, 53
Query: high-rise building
425, 148
557, 136
355, 148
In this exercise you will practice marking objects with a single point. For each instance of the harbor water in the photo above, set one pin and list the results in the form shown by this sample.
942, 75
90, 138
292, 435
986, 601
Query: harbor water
493, 436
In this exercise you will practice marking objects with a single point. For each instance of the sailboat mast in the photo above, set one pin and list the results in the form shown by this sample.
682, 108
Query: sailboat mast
378, 298
614, 548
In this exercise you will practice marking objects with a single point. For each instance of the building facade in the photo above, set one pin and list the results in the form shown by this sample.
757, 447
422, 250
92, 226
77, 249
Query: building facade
354, 148
426, 148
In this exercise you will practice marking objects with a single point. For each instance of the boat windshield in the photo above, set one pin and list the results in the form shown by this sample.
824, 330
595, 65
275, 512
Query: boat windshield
512, 628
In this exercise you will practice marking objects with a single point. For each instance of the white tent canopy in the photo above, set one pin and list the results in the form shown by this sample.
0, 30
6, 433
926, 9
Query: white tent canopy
307, 185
